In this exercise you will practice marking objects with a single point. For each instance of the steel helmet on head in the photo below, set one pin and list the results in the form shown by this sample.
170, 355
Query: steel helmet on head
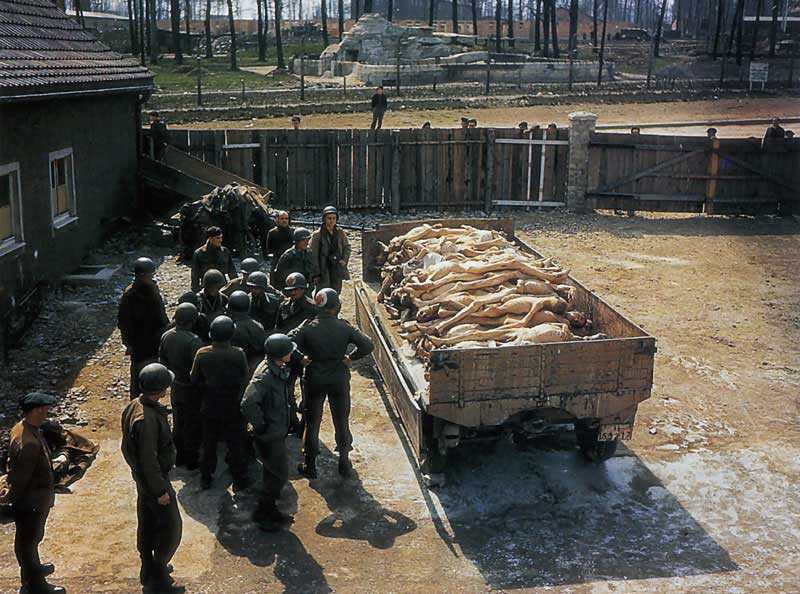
300, 234
213, 278
155, 378
222, 329
239, 302
330, 210
296, 280
249, 265
258, 280
327, 299
185, 314
143, 266
190, 297
278, 346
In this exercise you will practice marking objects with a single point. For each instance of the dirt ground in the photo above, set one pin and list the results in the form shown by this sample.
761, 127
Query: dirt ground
704, 499
625, 114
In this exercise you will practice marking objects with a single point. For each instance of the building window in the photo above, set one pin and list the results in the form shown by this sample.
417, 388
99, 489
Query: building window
10, 209
62, 188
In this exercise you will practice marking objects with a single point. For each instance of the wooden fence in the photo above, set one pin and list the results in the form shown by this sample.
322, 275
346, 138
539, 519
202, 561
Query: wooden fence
693, 174
392, 169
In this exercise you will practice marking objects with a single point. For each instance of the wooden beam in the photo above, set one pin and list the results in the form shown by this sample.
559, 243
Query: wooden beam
646, 172
526, 203
711, 184
754, 169
531, 141
652, 197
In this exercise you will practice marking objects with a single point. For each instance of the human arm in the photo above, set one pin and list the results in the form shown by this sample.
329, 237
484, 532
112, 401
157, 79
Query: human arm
195, 274
251, 406
316, 246
20, 470
145, 434
345, 247
363, 344
124, 322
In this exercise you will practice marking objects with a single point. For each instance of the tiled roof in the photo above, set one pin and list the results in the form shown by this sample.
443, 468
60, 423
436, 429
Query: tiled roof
42, 50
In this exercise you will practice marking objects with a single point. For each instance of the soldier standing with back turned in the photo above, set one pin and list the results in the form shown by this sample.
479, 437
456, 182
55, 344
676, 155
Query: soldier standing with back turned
32, 495
148, 449
141, 319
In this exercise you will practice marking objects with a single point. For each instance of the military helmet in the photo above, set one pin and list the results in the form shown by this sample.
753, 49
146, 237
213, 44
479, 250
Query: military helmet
190, 297
278, 346
249, 265
258, 280
300, 234
213, 278
155, 378
185, 314
295, 281
144, 266
330, 210
239, 302
327, 299
222, 329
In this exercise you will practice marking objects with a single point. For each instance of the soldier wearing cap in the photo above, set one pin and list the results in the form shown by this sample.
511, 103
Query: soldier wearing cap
141, 319
330, 252
32, 494
148, 449
210, 255
267, 408
264, 300
295, 259
325, 340
212, 301
179, 345
221, 373
279, 239
249, 334
249, 265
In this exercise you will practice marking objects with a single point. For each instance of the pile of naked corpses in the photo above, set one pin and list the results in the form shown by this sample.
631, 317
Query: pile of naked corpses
465, 287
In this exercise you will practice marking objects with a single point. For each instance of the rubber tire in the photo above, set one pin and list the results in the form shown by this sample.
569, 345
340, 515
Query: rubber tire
593, 450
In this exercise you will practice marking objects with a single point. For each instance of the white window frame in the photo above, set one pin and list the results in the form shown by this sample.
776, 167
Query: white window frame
64, 219
17, 240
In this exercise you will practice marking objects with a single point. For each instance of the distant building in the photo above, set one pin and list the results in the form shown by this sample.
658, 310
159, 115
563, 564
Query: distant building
69, 122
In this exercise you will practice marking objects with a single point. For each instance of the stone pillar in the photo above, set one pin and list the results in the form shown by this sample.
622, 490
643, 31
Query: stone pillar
581, 126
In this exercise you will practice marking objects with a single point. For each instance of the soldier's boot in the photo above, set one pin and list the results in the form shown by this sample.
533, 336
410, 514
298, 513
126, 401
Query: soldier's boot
309, 467
345, 466
146, 571
46, 569
42, 588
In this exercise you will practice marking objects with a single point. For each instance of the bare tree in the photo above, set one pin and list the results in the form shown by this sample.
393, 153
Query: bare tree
773, 30
546, 28
537, 25
474, 5
454, 6
209, 52
341, 19
141, 32
594, 21
152, 31
175, 20
602, 45
759, 6
573, 27
718, 29
657, 40
232, 28
431, 12
262, 38
132, 25
323, 13
510, 23
389, 10
278, 41
498, 24
188, 19
554, 23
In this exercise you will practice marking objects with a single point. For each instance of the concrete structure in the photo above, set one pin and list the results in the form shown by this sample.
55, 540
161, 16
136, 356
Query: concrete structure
68, 145
581, 126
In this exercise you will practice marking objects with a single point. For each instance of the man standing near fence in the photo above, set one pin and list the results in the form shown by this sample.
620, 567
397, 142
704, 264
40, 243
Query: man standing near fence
379, 105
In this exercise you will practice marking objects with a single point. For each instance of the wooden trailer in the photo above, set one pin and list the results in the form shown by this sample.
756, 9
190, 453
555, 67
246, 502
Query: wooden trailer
477, 392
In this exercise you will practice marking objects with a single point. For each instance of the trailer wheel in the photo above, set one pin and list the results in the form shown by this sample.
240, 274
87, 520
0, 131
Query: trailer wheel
593, 450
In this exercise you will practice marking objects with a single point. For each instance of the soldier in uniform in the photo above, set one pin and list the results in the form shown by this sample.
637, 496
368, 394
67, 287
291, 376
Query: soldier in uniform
141, 319
201, 323
325, 341
266, 406
179, 345
32, 494
330, 252
212, 301
220, 371
249, 334
293, 312
211, 255
148, 449
295, 259
248, 266
264, 300
279, 239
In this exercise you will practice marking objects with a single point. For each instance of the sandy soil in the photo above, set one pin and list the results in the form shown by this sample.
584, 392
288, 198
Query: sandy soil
627, 114
704, 499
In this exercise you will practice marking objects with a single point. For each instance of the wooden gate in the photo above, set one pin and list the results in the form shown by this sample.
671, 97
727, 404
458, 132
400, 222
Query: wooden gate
692, 174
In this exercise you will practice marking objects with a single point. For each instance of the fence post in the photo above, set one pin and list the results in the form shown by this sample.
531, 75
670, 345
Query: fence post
395, 171
488, 195
581, 126
713, 172
262, 140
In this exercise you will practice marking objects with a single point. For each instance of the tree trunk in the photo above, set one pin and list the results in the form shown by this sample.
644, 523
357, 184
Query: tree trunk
141, 31
454, 6
367, 6
431, 12
498, 24
739, 32
637, 14
175, 20
554, 32
132, 26
232, 28
595, 5
759, 6
602, 45
474, 5
510, 23
188, 20
323, 15
152, 31
278, 42
573, 28
546, 28
341, 19
537, 25
209, 52
773, 30
718, 28
262, 45
657, 40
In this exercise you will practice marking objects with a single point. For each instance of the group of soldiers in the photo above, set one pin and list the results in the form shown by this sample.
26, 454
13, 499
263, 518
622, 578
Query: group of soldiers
229, 360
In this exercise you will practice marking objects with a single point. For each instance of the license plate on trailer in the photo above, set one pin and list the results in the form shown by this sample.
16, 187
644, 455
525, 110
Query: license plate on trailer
617, 431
